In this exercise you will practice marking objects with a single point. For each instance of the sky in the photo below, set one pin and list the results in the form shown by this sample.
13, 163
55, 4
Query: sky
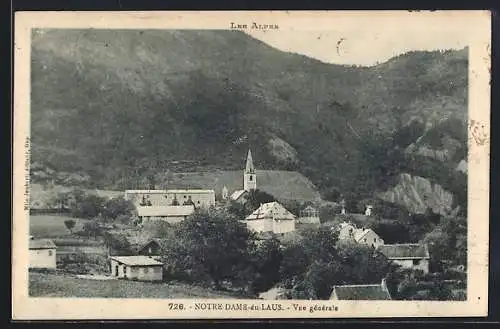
350, 42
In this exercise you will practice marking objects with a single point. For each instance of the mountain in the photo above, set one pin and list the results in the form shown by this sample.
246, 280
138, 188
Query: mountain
118, 105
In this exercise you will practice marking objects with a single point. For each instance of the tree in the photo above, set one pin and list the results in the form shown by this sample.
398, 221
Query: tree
93, 229
211, 246
266, 259
117, 244
257, 197
70, 224
117, 207
311, 268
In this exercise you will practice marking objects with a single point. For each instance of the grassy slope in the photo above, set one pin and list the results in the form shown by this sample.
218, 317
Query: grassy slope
52, 285
52, 226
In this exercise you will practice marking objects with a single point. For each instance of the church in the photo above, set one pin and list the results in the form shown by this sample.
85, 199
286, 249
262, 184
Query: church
249, 181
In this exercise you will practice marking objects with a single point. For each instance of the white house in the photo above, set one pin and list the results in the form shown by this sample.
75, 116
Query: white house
271, 217
368, 237
170, 214
361, 292
346, 231
42, 254
142, 268
411, 255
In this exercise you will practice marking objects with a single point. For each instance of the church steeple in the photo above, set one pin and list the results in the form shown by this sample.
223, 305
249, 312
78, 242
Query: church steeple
249, 176
249, 167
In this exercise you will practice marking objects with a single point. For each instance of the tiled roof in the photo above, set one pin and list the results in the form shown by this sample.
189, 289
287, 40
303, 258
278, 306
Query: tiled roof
404, 251
361, 292
271, 209
164, 211
136, 260
42, 244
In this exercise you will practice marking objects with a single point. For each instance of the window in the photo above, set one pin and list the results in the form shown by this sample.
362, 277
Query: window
374, 239
416, 261
185, 197
50, 252
251, 177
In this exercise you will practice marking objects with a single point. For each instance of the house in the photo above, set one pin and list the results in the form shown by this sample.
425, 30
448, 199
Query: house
163, 198
42, 254
170, 214
411, 255
309, 215
346, 231
361, 292
367, 236
142, 268
249, 179
271, 217
153, 248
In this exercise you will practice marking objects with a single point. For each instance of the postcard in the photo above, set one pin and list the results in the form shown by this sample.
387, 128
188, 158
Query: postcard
250, 164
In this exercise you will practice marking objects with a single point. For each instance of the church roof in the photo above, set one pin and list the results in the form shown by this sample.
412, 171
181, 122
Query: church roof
249, 166
271, 209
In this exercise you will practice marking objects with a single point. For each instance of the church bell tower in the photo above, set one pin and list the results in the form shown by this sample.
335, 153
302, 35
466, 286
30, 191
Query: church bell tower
249, 175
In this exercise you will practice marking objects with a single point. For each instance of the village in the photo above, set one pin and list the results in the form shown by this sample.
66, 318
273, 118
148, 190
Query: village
144, 261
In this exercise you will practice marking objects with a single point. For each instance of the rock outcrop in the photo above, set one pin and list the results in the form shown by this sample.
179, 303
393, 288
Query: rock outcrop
418, 194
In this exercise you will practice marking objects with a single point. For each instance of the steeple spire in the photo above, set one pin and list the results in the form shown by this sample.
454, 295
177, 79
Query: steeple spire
249, 167
249, 176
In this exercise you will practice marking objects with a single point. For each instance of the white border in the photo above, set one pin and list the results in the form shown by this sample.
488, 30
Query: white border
476, 28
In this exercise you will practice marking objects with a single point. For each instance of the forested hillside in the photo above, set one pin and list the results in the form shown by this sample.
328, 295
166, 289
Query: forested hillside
115, 106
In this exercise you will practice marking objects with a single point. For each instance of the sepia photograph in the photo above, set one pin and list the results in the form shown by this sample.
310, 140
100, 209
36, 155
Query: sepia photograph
234, 164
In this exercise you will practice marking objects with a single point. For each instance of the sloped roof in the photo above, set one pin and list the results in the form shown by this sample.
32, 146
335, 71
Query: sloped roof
362, 292
136, 260
237, 194
42, 244
360, 233
249, 168
160, 242
271, 209
164, 211
404, 251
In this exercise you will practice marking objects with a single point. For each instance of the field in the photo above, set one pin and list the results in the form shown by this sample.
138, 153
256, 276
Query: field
57, 285
52, 226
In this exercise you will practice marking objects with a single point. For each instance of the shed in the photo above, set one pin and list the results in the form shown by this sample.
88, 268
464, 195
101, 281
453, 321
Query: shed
142, 268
